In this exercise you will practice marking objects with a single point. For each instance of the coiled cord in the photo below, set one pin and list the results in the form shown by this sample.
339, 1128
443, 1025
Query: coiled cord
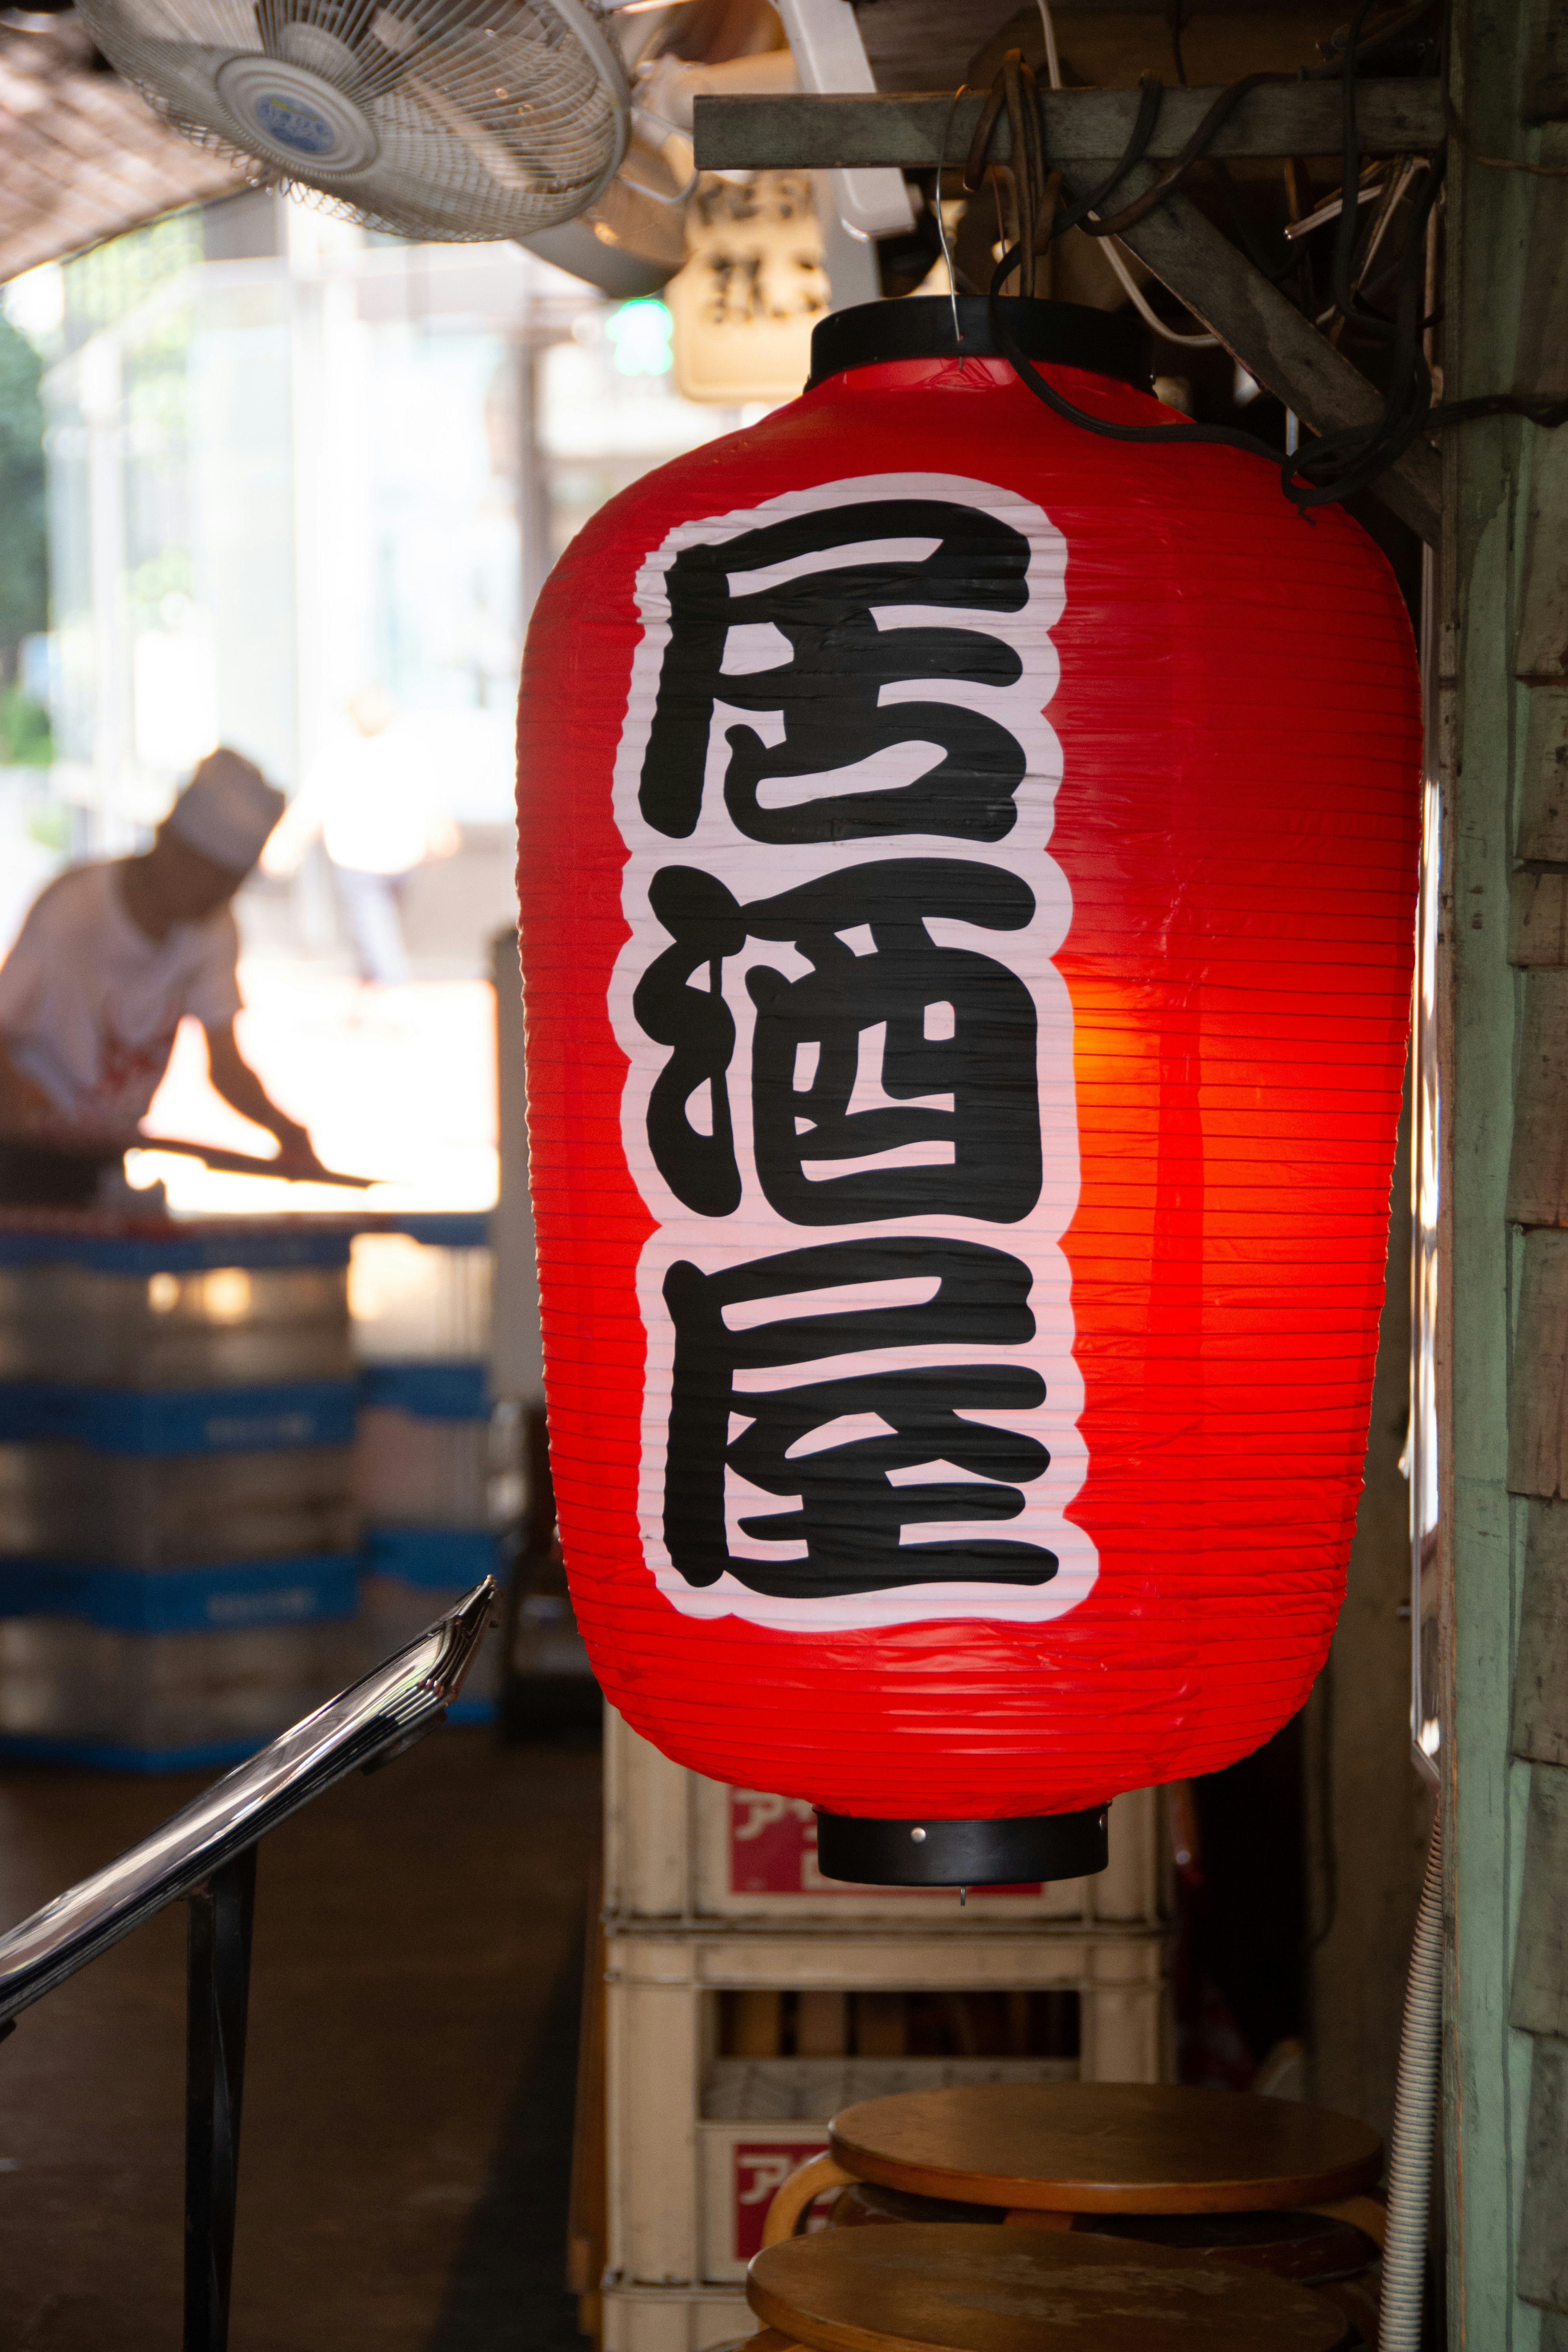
1415, 2109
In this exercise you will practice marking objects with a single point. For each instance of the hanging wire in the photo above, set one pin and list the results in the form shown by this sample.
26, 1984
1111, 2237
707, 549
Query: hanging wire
1113, 252
1053, 59
941, 223
1339, 464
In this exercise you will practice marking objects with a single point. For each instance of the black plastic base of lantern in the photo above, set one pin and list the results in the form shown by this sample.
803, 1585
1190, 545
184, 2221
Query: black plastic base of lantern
1012, 1853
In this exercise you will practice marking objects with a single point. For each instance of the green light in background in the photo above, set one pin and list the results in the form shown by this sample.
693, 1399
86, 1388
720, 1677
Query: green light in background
639, 334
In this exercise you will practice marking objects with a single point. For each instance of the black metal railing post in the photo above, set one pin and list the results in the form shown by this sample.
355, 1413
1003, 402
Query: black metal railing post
218, 1997
205, 1855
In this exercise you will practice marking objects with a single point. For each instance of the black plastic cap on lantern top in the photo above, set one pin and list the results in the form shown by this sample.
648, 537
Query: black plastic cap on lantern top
919, 327
1017, 1852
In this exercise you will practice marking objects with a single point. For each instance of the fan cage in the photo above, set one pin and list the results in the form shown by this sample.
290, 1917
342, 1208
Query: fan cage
493, 119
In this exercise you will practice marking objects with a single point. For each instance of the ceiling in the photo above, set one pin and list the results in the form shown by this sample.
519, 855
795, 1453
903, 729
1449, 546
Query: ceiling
83, 156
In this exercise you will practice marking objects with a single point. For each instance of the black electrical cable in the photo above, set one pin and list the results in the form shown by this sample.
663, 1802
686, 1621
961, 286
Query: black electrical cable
1178, 12
1226, 436
1336, 464
1196, 146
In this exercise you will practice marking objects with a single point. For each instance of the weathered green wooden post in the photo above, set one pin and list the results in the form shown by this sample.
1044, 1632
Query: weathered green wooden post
1505, 662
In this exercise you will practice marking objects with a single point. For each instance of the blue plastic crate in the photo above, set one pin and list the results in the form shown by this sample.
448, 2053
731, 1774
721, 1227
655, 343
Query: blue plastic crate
444, 1228
434, 1392
199, 1420
93, 1756
201, 1252
440, 1559
209, 1756
227, 1598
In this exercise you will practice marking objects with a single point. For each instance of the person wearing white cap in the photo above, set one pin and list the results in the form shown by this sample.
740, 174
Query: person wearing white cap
111, 959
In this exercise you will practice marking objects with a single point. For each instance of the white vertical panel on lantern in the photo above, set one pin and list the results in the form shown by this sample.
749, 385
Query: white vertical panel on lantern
757, 1233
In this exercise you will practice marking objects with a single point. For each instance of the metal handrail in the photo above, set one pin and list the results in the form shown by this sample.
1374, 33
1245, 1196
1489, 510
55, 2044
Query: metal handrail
206, 1851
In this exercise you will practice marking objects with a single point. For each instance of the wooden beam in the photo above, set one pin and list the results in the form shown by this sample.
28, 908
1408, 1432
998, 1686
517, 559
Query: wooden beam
1271, 338
791, 132
1261, 329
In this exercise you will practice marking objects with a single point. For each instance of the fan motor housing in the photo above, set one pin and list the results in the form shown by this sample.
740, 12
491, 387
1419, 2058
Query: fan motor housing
295, 117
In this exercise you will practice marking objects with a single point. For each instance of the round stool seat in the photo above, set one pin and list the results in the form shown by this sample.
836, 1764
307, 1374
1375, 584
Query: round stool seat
945, 2287
1107, 2147
1306, 2246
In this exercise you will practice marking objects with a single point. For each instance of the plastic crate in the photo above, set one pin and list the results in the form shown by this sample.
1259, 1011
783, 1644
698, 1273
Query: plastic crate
681, 1848
455, 1390
424, 1294
183, 1600
675, 2319
198, 1421
58, 1501
415, 1471
208, 1311
79, 1693
683, 2164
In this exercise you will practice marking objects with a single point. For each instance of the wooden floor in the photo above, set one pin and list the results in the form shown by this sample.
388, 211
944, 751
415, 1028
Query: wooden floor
409, 2087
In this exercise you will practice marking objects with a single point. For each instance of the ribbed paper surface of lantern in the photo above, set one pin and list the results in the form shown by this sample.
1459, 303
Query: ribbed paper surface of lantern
963, 1074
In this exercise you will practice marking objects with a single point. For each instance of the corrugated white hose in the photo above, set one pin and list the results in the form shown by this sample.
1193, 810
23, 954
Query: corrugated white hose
1415, 2107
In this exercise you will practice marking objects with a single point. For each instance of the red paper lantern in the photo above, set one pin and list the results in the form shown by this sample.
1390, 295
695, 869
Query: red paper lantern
967, 875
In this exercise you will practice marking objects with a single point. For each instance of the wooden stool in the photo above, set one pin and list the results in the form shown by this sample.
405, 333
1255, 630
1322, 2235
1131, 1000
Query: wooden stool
959, 2288
1048, 2152
1332, 2256
1310, 2247
1068, 2156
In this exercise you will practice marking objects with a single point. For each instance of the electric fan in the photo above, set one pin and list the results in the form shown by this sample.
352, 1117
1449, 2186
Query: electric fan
446, 120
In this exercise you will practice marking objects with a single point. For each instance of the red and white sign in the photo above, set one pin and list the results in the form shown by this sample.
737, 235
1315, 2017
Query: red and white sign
761, 2168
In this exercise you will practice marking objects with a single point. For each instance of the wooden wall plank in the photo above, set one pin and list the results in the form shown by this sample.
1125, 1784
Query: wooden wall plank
1543, 2227
1544, 782
1541, 649
1538, 1430
1539, 2002
1537, 920
1538, 1171
1540, 1674
1546, 61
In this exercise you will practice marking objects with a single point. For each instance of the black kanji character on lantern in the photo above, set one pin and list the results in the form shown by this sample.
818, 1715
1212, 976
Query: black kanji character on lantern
838, 1449
911, 1052
836, 679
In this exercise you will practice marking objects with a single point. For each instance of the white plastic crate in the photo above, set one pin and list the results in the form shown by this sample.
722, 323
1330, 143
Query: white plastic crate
683, 2164
414, 1471
101, 1696
675, 2319
418, 1301
221, 1327
58, 1501
683, 1849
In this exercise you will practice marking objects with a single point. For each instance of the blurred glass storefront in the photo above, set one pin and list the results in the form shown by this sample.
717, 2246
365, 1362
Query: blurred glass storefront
304, 483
